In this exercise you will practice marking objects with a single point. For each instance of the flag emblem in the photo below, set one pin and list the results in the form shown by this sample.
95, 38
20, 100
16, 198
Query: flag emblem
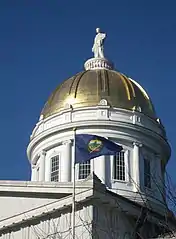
89, 146
95, 145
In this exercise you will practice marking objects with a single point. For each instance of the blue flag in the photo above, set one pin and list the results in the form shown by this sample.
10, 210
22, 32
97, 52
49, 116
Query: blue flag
91, 146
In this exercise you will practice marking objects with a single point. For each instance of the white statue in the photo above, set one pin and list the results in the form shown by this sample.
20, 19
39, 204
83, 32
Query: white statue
97, 48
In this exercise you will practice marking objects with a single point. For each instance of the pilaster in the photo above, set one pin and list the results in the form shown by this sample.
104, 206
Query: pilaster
66, 161
42, 166
136, 166
100, 168
33, 173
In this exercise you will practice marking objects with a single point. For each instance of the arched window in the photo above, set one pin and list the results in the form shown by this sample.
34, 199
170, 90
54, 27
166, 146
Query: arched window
55, 168
119, 169
84, 170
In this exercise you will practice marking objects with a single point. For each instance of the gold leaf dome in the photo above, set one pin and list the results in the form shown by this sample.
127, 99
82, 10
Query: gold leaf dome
88, 88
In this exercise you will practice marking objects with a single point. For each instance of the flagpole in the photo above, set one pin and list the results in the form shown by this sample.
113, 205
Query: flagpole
73, 194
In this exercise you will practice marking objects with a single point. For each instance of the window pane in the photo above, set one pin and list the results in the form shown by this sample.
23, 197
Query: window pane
119, 166
147, 173
55, 168
84, 170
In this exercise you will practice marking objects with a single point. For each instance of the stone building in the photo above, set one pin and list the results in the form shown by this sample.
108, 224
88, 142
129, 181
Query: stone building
120, 196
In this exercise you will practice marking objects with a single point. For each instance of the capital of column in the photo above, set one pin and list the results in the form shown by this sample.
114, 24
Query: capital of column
66, 142
33, 166
157, 155
42, 153
138, 144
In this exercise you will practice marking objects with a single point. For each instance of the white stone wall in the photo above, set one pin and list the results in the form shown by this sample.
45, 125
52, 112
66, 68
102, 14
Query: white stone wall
99, 213
111, 223
59, 227
99, 220
13, 206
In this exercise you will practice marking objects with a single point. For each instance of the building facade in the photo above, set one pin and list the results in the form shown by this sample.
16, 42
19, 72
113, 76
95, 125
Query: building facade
120, 196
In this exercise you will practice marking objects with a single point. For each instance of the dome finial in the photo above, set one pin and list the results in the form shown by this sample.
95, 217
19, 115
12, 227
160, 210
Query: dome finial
99, 61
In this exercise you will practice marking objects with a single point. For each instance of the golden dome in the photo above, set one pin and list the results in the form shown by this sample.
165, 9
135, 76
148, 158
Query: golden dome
89, 87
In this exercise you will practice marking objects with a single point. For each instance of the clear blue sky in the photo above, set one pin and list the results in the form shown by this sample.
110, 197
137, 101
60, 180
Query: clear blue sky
43, 42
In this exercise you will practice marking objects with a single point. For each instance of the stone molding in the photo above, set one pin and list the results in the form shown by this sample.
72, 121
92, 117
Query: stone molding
66, 142
138, 144
98, 113
98, 63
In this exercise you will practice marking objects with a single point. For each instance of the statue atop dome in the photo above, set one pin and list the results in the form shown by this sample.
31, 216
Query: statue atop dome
98, 61
97, 48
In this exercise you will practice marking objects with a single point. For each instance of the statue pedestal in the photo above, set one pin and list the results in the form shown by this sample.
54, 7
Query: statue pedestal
98, 63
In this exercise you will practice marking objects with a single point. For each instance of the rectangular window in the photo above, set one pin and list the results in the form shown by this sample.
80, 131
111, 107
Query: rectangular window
147, 173
55, 168
119, 166
84, 170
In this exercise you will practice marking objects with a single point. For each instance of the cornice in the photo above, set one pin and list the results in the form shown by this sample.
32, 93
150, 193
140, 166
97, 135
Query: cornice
123, 130
98, 113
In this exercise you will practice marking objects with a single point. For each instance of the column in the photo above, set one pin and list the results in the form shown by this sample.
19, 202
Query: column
108, 171
158, 180
100, 168
33, 173
42, 166
158, 168
136, 166
66, 161
163, 171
